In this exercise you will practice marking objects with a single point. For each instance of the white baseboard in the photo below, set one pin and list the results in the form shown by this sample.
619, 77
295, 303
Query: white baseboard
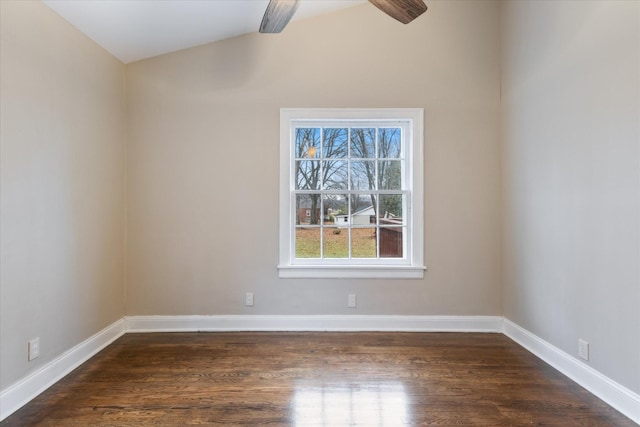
315, 323
17, 395
616, 395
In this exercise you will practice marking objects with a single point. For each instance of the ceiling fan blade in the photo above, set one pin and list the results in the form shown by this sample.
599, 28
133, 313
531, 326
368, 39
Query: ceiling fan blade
404, 11
278, 15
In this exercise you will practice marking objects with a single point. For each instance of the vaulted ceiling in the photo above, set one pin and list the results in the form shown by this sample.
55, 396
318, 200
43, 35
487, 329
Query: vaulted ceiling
136, 29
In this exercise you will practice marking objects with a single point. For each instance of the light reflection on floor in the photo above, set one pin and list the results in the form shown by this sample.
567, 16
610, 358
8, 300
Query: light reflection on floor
351, 404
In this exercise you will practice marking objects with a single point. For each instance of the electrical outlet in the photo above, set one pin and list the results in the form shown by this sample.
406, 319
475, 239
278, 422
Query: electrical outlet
33, 349
248, 299
351, 301
583, 349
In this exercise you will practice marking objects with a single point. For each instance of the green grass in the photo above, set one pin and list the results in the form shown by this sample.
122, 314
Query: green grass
363, 242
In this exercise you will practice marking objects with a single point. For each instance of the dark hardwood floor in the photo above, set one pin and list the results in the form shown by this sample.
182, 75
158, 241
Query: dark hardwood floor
315, 379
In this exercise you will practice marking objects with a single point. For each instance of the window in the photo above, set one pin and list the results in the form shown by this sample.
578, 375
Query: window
351, 193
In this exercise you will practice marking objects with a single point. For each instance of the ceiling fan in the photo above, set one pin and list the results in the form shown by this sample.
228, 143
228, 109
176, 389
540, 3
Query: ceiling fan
280, 12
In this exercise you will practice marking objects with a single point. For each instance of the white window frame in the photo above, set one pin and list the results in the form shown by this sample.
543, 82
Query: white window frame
409, 267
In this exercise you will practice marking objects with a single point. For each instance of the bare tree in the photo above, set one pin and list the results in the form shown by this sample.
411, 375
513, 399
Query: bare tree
388, 176
321, 165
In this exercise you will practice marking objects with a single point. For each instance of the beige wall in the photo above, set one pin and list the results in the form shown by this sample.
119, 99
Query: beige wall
570, 118
62, 187
203, 161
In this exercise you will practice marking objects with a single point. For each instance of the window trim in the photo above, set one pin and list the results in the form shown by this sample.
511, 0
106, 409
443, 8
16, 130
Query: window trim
413, 268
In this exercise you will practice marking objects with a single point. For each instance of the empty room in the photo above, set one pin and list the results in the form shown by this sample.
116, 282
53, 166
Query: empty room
319, 213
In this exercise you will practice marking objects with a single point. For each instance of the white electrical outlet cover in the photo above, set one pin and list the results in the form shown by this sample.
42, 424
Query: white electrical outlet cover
34, 349
583, 349
351, 301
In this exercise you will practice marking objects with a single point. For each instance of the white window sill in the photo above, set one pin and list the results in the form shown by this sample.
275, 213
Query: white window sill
350, 272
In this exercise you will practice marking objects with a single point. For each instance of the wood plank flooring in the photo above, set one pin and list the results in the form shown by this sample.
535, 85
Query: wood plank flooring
315, 379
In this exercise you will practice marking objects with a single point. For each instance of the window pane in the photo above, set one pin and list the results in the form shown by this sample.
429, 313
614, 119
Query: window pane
335, 143
363, 143
336, 209
334, 174
336, 242
391, 242
307, 142
389, 175
363, 209
308, 242
307, 175
307, 209
363, 175
392, 209
363, 242
389, 143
